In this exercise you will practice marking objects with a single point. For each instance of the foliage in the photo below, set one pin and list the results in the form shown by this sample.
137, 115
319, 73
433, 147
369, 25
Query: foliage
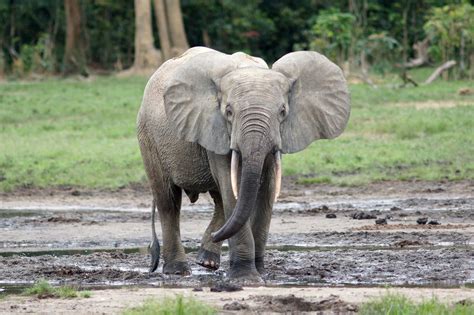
82, 133
397, 304
231, 25
177, 306
32, 38
110, 31
32, 35
381, 51
451, 31
332, 34
43, 289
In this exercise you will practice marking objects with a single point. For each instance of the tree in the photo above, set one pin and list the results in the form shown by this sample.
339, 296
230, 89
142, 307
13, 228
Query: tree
169, 20
451, 30
333, 33
147, 57
162, 25
75, 53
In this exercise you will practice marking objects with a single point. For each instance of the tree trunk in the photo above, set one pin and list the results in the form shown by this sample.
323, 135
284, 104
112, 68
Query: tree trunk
462, 66
365, 69
162, 25
147, 57
471, 67
2, 64
179, 41
206, 39
74, 54
405, 37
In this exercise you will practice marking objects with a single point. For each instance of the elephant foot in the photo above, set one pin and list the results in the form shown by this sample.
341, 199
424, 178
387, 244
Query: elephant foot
208, 259
180, 268
244, 271
155, 255
259, 265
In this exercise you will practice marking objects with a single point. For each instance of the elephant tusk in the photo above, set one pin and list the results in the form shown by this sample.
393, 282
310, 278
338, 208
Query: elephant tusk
277, 174
234, 168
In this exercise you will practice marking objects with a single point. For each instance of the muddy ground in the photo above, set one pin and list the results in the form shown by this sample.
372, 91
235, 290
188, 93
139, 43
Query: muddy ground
98, 239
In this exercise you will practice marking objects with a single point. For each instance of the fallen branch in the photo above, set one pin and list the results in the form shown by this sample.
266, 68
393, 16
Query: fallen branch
447, 65
407, 79
421, 54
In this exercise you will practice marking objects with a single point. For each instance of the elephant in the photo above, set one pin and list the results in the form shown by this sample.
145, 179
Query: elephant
219, 123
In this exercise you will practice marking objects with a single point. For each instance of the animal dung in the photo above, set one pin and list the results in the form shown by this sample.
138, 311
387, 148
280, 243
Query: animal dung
381, 221
422, 221
361, 215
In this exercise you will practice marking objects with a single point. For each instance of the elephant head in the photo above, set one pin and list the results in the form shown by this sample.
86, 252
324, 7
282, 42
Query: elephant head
236, 103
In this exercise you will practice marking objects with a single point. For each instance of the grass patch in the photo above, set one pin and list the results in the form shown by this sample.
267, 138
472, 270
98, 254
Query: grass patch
66, 292
85, 294
314, 180
396, 304
177, 306
82, 133
42, 289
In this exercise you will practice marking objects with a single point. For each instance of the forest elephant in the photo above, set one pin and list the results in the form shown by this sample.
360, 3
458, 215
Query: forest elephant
219, 123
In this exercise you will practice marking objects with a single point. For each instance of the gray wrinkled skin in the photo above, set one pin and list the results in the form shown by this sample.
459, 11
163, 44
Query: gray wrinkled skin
199, 107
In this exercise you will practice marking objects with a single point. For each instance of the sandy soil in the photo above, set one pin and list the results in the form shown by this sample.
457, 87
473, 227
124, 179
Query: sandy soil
98, 239
247, 301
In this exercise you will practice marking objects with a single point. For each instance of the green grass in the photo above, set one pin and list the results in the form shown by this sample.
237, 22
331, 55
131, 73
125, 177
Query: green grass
82, 133
387, 141
85, 294
172, 306
43, 289
67, 132
395, 304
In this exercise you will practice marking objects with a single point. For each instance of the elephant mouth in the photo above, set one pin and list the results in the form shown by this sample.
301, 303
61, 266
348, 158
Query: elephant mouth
234, 173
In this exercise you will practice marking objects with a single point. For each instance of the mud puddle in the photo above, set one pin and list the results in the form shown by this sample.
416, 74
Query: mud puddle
94, 245
447, 267
299, 223
372, 204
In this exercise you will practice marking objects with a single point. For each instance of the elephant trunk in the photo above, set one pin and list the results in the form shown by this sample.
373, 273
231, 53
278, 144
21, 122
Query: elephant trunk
252, 165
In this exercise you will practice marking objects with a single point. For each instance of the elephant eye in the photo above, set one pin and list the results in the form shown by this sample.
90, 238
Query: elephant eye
228, 111
283, 111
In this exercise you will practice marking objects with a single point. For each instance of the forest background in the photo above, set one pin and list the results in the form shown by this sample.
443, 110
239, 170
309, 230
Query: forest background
72, 74
104, 36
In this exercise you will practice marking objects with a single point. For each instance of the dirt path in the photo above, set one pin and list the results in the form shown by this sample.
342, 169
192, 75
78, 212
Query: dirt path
99, 238
249, 300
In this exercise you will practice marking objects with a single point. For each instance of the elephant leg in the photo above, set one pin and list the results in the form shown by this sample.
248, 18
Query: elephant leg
242, 254
209, 255
167, 199
241, 245
169, 205
260, 221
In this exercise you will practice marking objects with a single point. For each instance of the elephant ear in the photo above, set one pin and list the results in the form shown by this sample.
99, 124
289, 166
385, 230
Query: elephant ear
191, 100
319, 101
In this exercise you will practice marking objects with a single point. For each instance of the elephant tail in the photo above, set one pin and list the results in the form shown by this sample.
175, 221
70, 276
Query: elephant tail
155, 244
